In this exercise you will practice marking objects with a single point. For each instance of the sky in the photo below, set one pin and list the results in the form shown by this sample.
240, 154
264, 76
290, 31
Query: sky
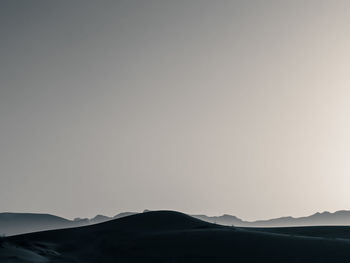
205, 107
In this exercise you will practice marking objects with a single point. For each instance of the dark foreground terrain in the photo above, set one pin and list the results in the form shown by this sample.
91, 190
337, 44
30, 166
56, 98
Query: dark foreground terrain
165, 236
21, 223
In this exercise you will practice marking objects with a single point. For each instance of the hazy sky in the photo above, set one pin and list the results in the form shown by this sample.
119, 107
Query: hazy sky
239, 107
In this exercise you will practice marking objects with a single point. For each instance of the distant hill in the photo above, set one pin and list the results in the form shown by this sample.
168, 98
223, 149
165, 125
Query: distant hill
317, 219
19, 223
227, 220
168, 236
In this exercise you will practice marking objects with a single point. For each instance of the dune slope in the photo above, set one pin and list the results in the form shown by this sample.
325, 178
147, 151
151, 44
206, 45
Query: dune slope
166, 236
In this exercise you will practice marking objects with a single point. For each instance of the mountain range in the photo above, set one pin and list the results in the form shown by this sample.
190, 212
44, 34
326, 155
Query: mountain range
170, 236
20, 223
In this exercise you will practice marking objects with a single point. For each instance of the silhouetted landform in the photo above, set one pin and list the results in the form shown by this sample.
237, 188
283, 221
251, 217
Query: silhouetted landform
326, 218
124, 215
20, 223
166, 236
226, 220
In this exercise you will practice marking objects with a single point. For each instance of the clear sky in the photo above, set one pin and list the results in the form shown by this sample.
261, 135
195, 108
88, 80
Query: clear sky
238, 107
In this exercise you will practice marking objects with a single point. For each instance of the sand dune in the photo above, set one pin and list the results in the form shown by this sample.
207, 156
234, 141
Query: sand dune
166, 236
20, 223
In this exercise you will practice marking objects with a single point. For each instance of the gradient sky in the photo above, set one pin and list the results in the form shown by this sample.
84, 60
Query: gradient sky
239, 107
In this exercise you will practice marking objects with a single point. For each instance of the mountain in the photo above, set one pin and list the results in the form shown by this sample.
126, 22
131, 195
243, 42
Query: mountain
326, 218
168, 236
99, 219
19, 223
227, 220
124, 214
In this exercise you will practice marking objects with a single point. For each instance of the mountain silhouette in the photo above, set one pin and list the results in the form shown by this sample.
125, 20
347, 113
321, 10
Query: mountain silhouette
20, 223
168, 236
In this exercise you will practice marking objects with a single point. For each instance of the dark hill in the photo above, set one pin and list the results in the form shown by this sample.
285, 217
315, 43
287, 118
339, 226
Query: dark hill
18, 223
165, 236
331, 232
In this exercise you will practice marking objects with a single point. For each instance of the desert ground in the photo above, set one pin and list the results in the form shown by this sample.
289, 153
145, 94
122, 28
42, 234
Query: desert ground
168, 236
